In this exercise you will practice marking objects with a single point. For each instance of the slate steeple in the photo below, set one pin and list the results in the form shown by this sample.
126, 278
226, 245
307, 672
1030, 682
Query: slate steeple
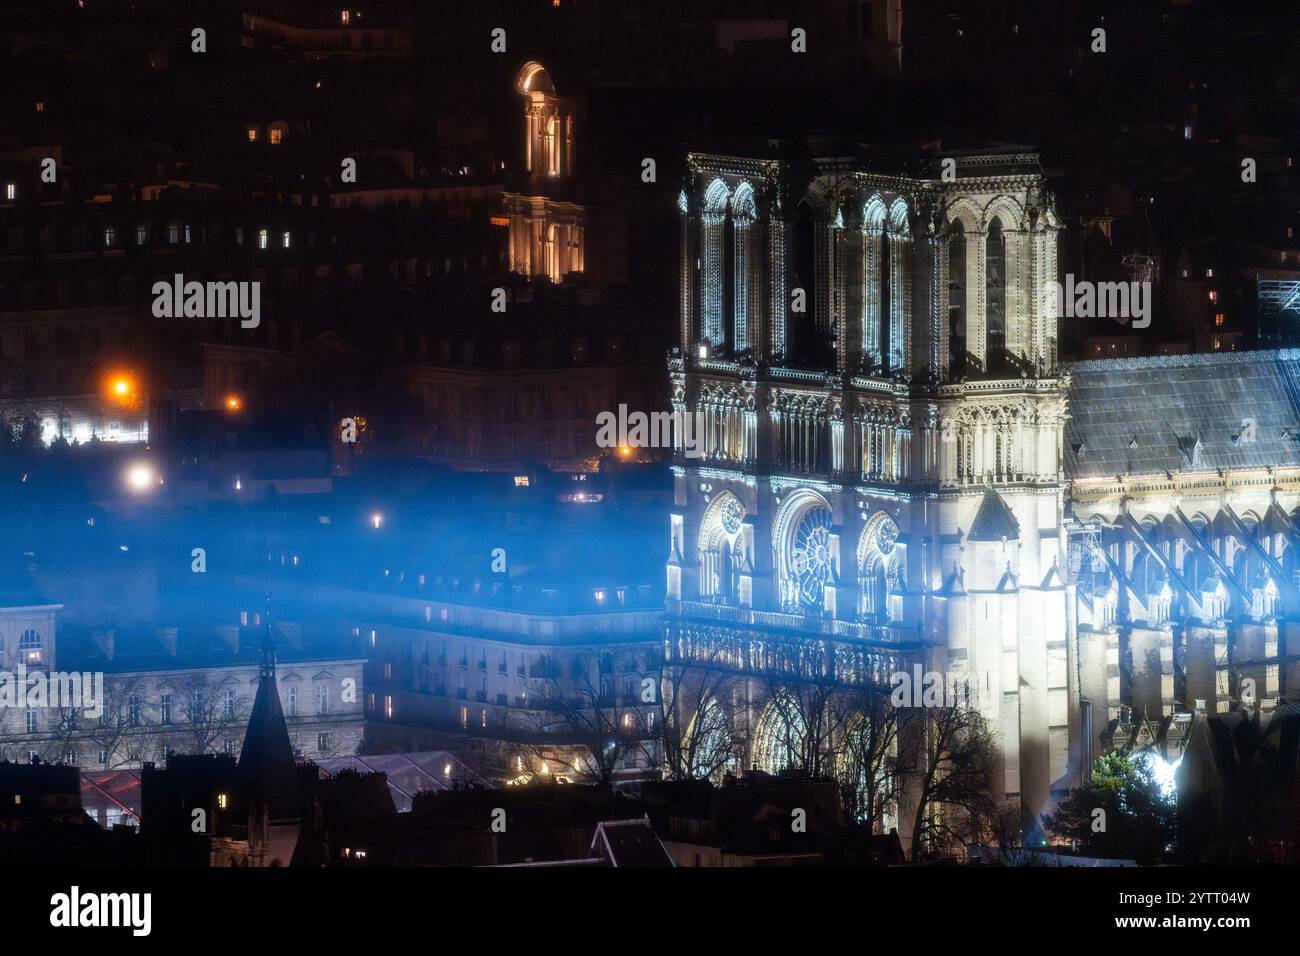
267, 769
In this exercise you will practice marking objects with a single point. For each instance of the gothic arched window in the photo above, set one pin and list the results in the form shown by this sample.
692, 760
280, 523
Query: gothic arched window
956, 301
713, 223
995, 312
781, 735
802, 257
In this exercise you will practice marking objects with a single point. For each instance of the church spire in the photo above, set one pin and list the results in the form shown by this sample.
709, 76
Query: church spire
266, 763
267, 669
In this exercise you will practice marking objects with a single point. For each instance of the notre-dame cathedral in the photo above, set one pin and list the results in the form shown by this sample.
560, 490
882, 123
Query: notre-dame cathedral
897, 469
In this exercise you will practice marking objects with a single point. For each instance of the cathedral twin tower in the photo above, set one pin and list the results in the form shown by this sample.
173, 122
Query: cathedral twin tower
875, 369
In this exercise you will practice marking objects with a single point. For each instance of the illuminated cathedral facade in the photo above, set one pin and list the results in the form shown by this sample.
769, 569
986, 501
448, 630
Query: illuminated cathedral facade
898, 472
882, 476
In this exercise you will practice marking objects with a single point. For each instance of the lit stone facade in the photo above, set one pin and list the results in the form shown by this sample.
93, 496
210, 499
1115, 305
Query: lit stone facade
881, 482
547, 226
1184, 532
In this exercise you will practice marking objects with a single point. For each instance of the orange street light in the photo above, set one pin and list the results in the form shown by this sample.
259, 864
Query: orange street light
234, 403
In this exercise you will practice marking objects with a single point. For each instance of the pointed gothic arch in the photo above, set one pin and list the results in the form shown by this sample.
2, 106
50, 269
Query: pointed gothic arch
721, 548
780, 735
801, 538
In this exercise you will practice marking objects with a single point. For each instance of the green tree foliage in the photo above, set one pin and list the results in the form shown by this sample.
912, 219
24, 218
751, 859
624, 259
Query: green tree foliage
1138, 821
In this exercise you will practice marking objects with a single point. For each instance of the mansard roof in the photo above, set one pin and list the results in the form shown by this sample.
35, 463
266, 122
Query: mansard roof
1183, 413
994, 521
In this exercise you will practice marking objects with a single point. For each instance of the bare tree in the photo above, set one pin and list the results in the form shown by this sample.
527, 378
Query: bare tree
210, 714
579, 723
868, 757
953, 759
697, 729
807, 710
119, 731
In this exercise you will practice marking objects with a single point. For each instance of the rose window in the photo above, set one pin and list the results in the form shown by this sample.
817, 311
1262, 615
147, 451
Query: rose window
810, 556
886, 535
732, 514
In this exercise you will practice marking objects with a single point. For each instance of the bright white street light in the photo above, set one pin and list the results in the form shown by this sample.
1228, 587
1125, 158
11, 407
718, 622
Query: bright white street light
141, 476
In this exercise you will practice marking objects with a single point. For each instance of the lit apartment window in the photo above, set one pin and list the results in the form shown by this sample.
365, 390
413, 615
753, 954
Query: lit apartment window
223, 801
110, 237
1209, 273
1214, 295
141, 234
325, 742
464, 716
388, 670
103, 756
1187, 132
29, 646
284, 240
1218, 318
521, 481
388, 705
11, 190
187, 234
1218, 344
252, 134
40, 106
261, 238
243, 618
276, 136
133, 711
173, 233
344, 17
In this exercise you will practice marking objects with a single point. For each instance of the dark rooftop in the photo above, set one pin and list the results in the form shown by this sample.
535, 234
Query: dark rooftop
1197, 413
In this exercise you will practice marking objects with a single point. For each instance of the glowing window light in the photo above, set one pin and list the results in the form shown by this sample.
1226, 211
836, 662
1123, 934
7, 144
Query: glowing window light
377, 520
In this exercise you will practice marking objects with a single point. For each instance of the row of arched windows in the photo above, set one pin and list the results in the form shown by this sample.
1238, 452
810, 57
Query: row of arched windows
870, 271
